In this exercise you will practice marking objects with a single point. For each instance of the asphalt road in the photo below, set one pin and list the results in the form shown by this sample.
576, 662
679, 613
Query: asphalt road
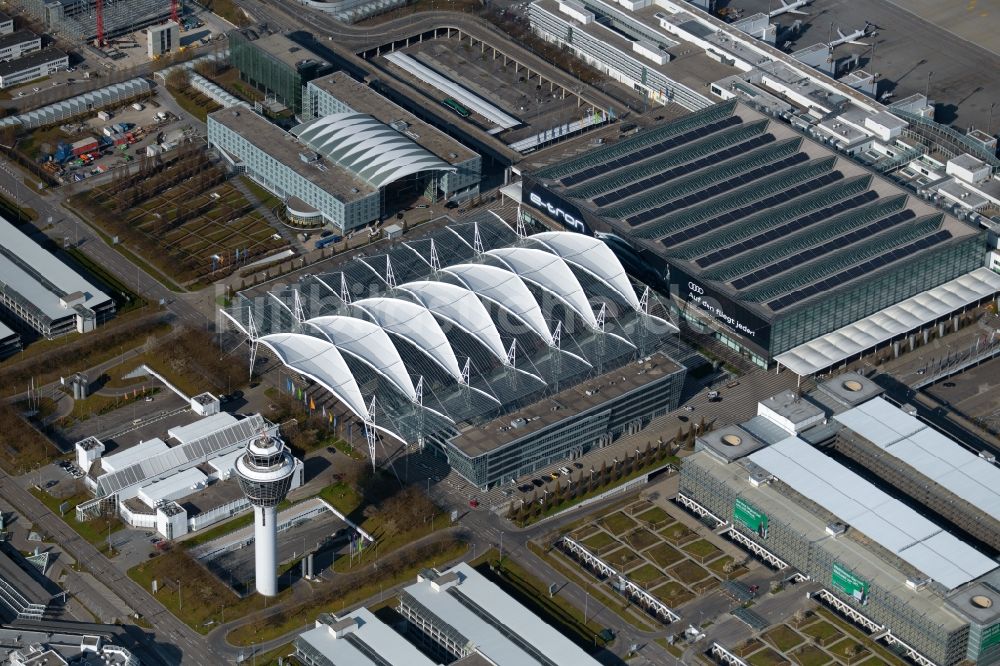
175, 642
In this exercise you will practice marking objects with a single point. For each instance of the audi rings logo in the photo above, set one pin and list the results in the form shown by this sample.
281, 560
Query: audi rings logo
695, 289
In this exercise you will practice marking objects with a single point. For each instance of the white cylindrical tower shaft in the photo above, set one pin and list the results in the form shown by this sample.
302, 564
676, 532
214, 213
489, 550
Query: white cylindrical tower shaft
266, 549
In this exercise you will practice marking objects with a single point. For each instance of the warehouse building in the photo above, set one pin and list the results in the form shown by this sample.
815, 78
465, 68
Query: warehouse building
10, 341
275, 65
357, 638
345, 169
503, 355
33, 66
16, 44
459, 614
44, 292
758, 232
173, 489
884, 565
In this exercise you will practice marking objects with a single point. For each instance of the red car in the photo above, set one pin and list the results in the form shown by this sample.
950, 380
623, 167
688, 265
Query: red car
473, 503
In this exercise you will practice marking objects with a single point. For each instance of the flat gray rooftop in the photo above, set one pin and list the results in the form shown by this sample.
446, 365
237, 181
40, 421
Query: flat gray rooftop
39, 278
33, 59
477, 440
287, 149
285, 50
17, 37
363, 99
862, 561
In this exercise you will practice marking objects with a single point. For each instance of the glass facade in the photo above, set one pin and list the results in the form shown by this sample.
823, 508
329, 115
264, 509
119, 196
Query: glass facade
573, 436
865, 297
273, 76
944, 644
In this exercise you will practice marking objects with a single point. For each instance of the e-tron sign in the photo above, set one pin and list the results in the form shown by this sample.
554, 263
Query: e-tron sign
557, 213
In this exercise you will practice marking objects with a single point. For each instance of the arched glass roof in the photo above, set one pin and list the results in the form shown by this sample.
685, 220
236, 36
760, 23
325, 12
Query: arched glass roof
549, 272
506, 290
417, 325
592, 255
376, 152
320, 361
462, 308
370, 343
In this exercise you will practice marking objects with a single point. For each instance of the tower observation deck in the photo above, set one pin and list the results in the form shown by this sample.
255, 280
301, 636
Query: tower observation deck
265, 474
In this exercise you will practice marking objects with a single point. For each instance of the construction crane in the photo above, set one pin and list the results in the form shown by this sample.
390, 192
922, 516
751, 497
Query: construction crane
175, 12
100, 24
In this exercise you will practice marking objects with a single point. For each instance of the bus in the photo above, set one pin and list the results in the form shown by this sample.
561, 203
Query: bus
457, 108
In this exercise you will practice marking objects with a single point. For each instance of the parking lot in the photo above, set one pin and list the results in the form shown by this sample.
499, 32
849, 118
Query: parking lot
499, 80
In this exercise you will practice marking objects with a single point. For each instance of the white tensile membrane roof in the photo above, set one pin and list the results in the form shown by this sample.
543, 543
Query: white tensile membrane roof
920, 310
461, 307
592, 255
550, 272
321, 361
370, 343
376, 152
505, 289
417, 325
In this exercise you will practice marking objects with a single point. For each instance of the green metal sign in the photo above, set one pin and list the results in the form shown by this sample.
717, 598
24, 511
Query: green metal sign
845, 581
990, 637
750, 516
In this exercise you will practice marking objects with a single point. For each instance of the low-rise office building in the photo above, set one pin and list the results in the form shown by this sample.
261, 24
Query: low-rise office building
6, 24
45, 293
16, 44
276, 65
32, 66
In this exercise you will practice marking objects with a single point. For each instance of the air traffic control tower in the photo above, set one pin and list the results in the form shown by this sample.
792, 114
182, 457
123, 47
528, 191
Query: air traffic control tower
265, 473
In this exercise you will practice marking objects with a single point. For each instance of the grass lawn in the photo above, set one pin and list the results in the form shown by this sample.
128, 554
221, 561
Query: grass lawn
849, 651
95, 531
573, 571
641, 539
678, 534
822, 631
850, 630
645, 575
701, 550
672, 593
766, 657
810, 655
191, 593
783, 637
346, 592
599, 541
718, 565
342, 497
617, 523
534, 593
623, 558
654, 516
688, 572
664, 555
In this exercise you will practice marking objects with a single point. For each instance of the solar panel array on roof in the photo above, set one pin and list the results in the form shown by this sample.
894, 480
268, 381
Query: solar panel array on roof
880, 517
684, 154
643, 152
604, 155
930, 453
860, 270
199, 449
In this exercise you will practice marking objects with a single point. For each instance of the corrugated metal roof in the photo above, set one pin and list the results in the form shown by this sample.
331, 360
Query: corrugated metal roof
882, 518
38, 277
930, 453
192, 431
132, 455
832, 348
371, 636
491, 608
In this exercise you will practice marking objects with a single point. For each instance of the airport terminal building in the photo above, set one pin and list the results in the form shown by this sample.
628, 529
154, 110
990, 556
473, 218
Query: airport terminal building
358, 159
501, 354
776, 486
761, 233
